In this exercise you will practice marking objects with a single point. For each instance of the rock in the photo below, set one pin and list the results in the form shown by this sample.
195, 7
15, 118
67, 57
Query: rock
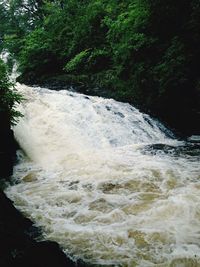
42, 254
8, 148
6, 164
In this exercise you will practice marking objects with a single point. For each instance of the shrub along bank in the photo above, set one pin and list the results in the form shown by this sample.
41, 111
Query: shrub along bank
8, 116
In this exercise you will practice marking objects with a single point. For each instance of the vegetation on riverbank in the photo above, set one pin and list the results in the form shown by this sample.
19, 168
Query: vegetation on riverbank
8, 99
8, 116
143, 52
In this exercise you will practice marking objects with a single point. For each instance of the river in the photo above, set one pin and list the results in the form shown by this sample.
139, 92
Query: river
110, 184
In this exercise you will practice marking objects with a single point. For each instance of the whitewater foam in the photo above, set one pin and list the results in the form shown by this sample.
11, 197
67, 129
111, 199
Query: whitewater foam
84, 178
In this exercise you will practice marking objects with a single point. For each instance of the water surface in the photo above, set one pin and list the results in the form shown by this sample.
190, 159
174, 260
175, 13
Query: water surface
109, 184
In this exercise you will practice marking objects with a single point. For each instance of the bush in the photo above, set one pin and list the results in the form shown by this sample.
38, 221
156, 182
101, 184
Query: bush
8, 98
77, 62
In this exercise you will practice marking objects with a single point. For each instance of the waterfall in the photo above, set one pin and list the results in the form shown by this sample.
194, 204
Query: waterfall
5, 55
110, 184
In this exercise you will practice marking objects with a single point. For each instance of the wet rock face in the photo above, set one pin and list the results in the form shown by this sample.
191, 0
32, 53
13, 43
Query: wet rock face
7, 152
8, 146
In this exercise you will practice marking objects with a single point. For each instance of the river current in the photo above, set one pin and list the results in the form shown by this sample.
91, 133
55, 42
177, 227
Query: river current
110, 184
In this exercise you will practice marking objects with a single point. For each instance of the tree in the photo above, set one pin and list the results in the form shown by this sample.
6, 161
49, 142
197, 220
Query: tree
8, 99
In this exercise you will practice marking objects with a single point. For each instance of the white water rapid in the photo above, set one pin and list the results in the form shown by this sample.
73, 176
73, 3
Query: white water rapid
94, 175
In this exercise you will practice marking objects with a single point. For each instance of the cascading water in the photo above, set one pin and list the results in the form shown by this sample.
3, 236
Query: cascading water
93, 174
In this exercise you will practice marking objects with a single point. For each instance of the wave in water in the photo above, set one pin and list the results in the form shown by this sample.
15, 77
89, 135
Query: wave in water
94, 175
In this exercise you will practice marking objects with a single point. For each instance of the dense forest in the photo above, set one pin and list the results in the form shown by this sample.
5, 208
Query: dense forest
140, 51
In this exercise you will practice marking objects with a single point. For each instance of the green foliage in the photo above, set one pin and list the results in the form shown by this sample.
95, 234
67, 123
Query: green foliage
37, 50
77, 62
142, 51
172, 71
8, 96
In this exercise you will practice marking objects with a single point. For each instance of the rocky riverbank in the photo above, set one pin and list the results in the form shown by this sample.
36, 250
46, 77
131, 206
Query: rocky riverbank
7, 147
